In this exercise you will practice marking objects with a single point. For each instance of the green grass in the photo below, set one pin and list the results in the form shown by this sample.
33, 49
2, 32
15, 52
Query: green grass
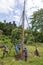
32, 59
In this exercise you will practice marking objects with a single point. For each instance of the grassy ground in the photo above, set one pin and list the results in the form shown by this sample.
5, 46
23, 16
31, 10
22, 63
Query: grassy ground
32, 59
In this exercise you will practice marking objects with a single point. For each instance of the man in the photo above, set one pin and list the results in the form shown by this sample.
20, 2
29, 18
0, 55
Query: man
16, 48
36, 52
5, 50
25, 54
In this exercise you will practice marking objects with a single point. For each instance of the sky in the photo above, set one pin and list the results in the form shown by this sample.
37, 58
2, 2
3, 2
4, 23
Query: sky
11, 10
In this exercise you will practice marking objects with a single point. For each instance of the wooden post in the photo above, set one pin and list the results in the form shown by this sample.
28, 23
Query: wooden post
23, 19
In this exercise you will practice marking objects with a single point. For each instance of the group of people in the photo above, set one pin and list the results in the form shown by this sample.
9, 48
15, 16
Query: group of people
24, 51
18, 49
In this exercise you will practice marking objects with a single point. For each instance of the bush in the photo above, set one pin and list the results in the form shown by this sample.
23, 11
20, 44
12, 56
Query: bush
29, 42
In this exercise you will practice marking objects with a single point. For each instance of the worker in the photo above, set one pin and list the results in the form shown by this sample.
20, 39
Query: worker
25, 54
5, 50
16, 48
36, 52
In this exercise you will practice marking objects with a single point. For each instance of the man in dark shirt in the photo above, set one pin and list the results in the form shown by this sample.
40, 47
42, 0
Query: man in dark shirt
25, 54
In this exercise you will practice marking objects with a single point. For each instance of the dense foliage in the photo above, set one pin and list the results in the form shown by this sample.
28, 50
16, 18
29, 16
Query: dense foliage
37, 25
7, 27
15, 33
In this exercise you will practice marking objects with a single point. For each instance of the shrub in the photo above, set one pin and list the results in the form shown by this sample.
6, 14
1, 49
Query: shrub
29, 42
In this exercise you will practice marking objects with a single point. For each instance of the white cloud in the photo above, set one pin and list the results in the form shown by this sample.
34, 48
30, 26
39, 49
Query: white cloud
18, 12
33, 5
21, 1
16, 18
7, 5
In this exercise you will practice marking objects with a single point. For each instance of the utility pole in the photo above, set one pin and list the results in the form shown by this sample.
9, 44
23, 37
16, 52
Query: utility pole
23, 19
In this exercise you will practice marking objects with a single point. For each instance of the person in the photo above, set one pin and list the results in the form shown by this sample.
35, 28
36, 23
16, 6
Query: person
36, 52
5, 50
25, 54
16, 48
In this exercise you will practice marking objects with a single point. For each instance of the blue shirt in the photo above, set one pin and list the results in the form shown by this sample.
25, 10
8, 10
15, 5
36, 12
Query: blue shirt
16, 48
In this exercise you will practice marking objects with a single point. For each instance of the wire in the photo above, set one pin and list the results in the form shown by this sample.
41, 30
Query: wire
31, 31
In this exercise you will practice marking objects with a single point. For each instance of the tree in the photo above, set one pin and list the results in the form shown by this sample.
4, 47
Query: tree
1, 32
14, 24
37, 24
28, 36
16, 35
7, 27
37, 20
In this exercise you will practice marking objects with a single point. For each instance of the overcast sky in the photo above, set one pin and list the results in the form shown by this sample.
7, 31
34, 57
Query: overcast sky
12, 9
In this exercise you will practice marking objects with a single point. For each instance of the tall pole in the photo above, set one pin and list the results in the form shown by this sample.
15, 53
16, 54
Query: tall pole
23, 19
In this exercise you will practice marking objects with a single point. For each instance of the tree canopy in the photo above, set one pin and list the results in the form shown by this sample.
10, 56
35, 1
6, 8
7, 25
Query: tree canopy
37, 25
